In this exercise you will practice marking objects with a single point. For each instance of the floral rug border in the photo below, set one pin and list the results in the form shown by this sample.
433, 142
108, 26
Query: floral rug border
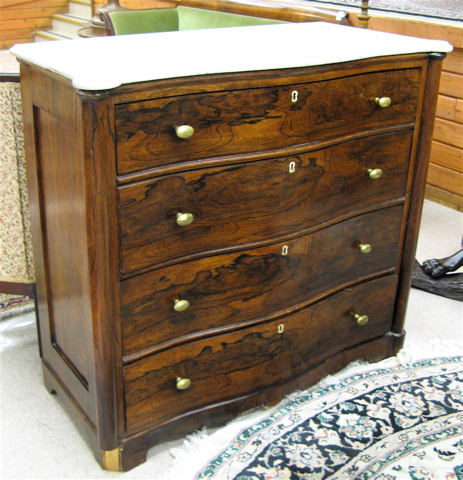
320, 399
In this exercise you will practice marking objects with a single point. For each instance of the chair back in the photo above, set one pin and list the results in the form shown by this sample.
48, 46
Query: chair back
126, 22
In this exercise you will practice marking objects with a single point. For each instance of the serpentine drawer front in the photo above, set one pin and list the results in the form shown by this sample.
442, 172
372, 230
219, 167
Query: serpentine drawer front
227, 123
209, 243
227, 366
252, 284
256, 201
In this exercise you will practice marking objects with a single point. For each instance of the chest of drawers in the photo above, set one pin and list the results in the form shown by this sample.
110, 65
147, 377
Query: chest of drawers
206, 244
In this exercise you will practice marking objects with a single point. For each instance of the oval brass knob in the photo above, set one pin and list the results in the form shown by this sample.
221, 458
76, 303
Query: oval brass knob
183, 383
383, 102
374, 173
181, 305
184, 131
361, 319
365, 247
184, 219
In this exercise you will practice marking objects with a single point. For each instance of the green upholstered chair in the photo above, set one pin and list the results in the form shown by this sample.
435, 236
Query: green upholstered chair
125, 22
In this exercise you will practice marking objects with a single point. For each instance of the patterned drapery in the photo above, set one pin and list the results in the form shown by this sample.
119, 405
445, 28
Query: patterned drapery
16, 260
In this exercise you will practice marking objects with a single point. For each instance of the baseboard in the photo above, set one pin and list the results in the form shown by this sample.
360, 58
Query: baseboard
444, 198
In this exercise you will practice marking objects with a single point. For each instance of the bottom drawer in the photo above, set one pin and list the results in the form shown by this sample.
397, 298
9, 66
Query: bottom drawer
235, 364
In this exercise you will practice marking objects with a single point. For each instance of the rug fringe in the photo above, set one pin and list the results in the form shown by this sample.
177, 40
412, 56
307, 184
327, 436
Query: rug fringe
17, 331
424, 351
199, 447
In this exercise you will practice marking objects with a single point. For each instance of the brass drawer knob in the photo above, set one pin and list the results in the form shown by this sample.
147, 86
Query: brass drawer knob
183, 383
374, 173
181, 305
365, 247
184, 219
361, 319
383, 102
184, 131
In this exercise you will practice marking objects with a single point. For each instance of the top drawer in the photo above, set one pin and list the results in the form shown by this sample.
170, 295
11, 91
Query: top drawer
259, 119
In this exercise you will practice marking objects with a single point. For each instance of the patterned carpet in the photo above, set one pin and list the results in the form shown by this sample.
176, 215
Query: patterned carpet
399, 423
444, 9
11, 305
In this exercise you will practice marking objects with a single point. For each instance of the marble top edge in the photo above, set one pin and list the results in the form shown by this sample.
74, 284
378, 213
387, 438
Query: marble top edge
104, 63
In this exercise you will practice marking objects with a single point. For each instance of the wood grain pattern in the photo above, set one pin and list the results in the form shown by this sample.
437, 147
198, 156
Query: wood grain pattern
125, 260
444, 197
253, 284
453, 62
419, 160
57, 205
257, 201
219, 369
98, 161
451, 84
20, 18
453, 179
226, 411
61, 186
447, 156
259, 119
445, 178
449, 132
450, 108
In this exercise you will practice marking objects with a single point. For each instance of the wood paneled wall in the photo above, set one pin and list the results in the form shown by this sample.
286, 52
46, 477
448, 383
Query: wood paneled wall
19, 19
445, 176
137, 4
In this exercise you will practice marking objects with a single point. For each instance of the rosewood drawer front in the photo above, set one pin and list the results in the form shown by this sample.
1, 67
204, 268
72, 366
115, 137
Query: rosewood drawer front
241, 287
244, 121
251, 202
227, 366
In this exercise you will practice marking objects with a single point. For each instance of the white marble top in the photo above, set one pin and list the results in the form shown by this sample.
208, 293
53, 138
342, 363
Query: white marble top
108, 62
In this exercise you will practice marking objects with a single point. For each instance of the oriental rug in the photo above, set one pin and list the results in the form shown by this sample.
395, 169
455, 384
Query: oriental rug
400, 422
